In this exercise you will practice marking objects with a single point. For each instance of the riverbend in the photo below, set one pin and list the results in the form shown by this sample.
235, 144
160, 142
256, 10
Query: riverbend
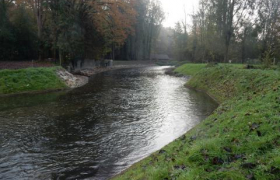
98, 130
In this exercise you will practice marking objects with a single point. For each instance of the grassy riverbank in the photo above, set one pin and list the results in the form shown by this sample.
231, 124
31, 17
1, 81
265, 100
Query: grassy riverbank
30, 79
241, 140
190, 69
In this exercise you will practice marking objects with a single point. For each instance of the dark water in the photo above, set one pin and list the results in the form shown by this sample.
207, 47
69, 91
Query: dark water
98, 130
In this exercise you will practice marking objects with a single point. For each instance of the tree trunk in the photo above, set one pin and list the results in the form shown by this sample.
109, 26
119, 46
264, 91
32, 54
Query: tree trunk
226, 53
113, 51
38, 11
60, 57
243, 46
54, 54
228, 29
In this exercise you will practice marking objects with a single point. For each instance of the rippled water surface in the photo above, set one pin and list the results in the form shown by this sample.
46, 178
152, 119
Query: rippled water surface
98, 130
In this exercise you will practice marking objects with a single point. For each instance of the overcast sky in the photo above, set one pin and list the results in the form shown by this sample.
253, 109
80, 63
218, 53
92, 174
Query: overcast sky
174, 10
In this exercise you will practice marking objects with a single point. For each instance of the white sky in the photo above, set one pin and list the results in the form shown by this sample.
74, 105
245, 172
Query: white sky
174, 11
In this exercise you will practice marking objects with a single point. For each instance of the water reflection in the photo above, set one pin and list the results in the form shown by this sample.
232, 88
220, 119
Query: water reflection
98, 130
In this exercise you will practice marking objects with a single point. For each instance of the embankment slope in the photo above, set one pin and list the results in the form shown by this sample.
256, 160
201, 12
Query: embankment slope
240, 140
30, 79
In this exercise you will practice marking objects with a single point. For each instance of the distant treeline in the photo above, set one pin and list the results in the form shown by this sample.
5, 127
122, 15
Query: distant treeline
237, 30
78, 29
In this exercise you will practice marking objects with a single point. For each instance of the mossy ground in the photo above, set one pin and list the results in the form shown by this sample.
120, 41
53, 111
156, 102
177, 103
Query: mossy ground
241, 140
30, 79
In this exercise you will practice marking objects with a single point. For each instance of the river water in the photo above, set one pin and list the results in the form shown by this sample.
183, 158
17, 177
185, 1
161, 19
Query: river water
98, 130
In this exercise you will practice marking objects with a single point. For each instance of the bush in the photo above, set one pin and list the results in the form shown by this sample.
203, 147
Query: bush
212, 64
267, 59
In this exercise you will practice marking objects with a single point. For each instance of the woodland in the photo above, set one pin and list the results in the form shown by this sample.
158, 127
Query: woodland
78, 29
221, 31
240, 31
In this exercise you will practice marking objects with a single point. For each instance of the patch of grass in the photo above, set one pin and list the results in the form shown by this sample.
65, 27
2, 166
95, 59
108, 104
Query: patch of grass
240, 140
30, 79
190, 69
239, 66
170, 63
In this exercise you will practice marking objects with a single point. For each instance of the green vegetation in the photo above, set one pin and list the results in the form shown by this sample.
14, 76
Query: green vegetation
75, 30
189, 69
214, 37
170, 63
31, 79
241, 140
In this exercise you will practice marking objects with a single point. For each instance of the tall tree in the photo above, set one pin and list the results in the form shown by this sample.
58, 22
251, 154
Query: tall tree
268, 25
39, 9
139, 45
7, 36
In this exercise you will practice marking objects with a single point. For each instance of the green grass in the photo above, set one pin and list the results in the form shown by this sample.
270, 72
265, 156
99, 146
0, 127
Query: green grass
190, 69
238, 66
240, 140
170, 63
30, 79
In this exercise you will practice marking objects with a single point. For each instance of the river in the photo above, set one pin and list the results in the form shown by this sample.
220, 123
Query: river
98, 130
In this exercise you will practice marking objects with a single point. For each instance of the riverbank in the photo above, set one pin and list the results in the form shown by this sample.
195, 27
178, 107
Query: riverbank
44, 77
117, 65
35, 80
240, 140
29, 79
